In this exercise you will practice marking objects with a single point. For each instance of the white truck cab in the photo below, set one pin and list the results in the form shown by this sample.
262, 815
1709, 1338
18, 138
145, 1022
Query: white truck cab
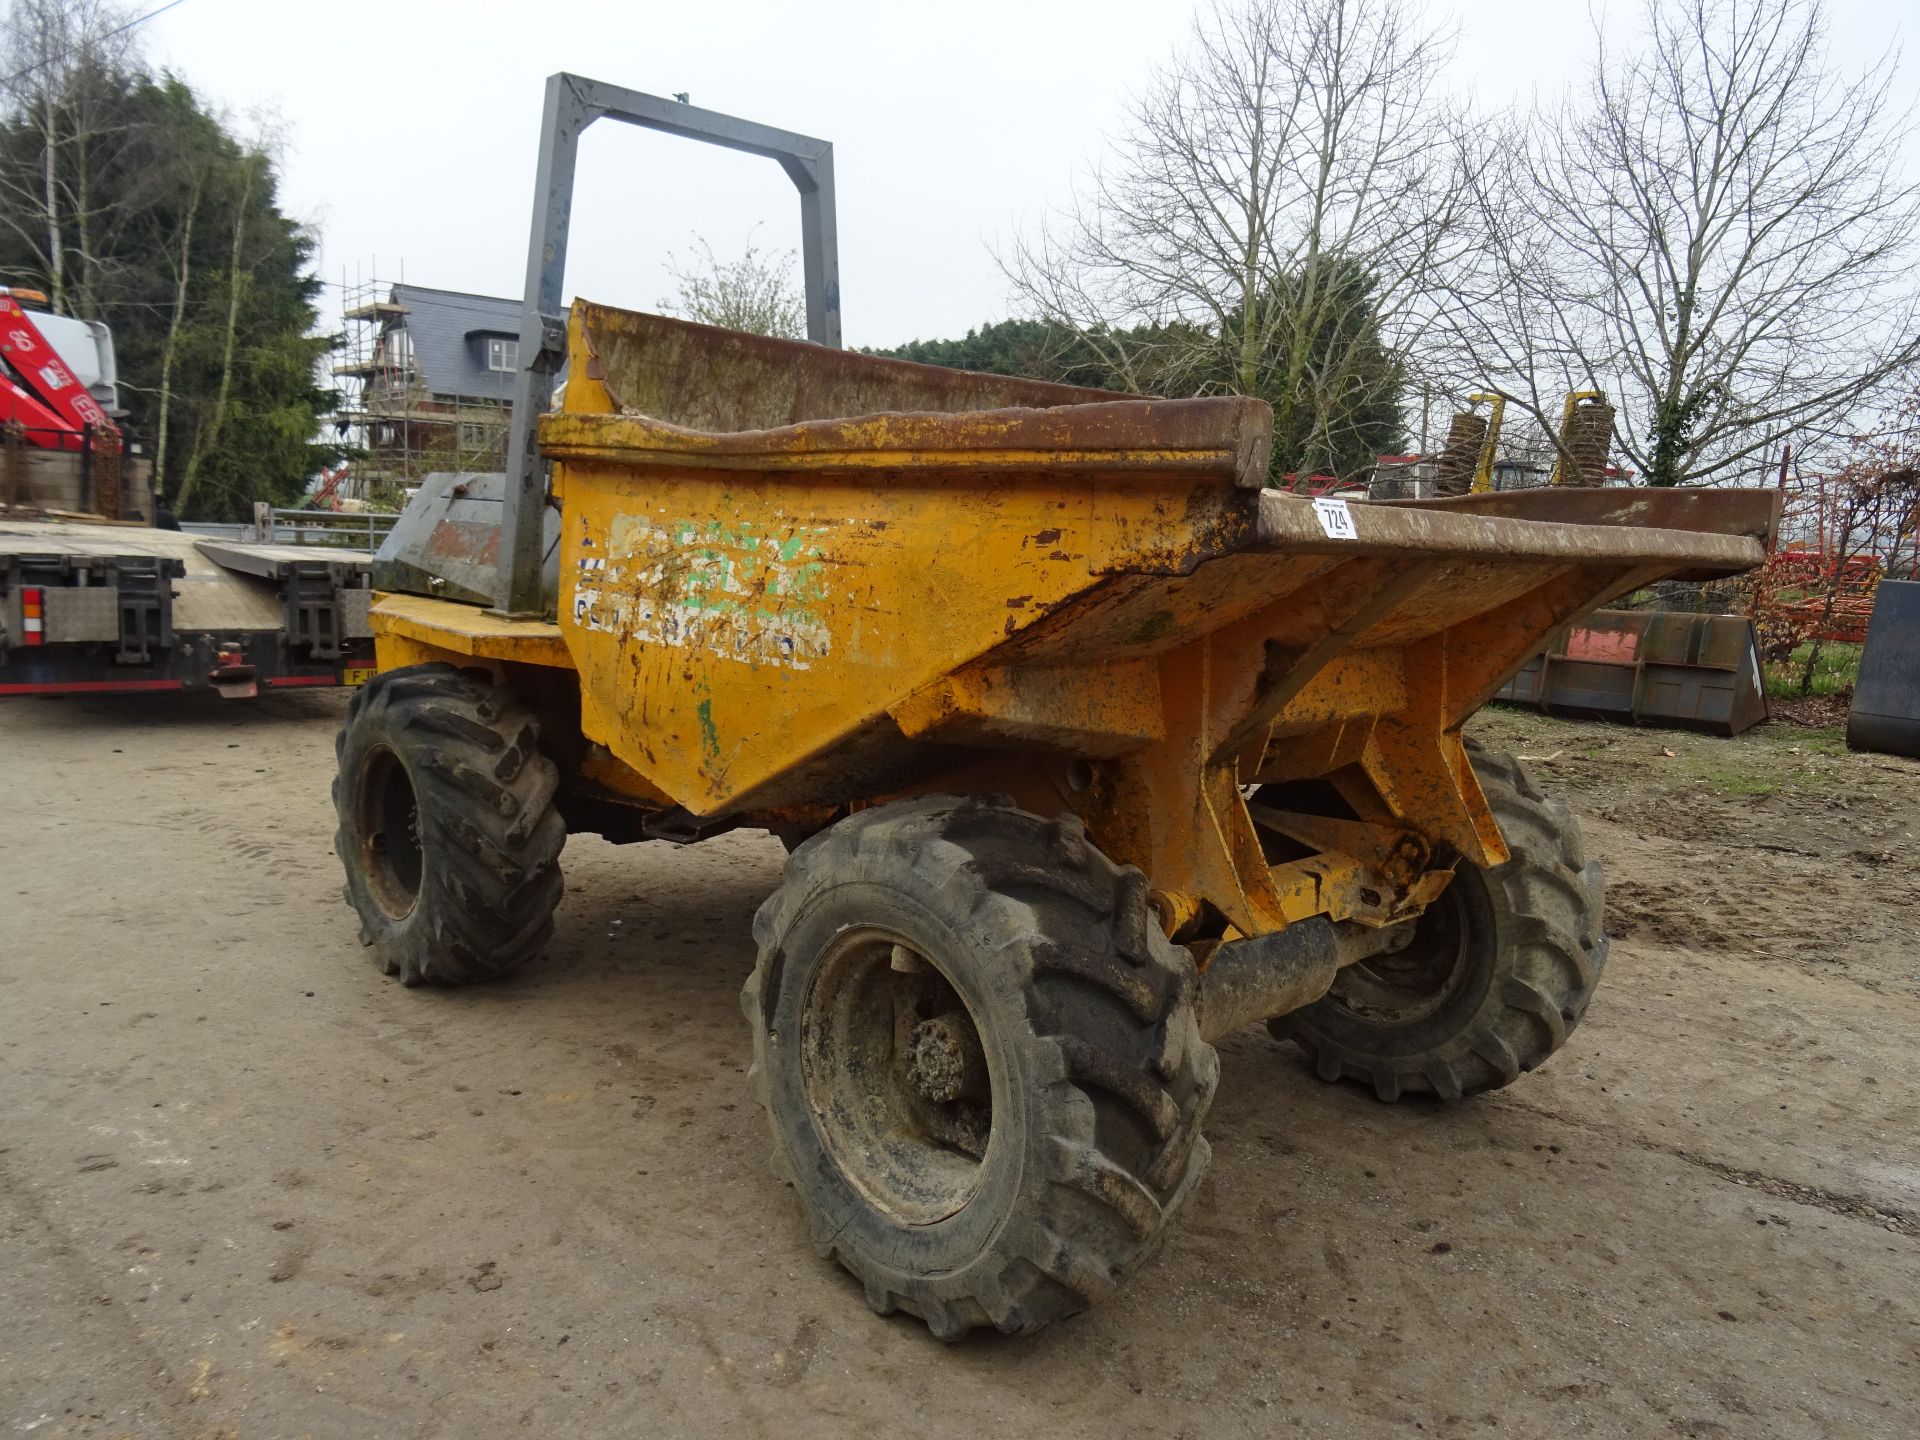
87, 348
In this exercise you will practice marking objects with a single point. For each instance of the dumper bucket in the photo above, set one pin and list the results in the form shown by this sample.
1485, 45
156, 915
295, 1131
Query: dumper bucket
780, 606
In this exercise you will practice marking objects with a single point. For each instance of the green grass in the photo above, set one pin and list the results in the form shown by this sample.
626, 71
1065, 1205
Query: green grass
1765, 764
1825, 740
1732, 782
1838, 668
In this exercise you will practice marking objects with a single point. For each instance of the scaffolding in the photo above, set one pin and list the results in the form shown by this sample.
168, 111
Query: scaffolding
403, 430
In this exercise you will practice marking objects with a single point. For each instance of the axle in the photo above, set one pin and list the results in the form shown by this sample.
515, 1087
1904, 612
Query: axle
1247, 981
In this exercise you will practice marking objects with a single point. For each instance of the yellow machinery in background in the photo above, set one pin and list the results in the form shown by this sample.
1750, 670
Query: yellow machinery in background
1088, 748
1490, 445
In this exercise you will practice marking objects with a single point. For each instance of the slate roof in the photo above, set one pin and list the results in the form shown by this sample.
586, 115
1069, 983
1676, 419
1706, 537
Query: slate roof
448, 329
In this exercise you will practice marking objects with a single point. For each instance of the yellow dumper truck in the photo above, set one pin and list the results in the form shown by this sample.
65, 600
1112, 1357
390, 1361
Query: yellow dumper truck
1088, 747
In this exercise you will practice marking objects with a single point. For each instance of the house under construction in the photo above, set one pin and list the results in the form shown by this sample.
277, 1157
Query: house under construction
428, 376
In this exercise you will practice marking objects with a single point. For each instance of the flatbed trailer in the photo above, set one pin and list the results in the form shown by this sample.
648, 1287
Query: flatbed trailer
89, 607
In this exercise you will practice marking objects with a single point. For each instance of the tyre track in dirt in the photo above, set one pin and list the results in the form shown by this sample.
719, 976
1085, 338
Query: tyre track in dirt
1883, 1213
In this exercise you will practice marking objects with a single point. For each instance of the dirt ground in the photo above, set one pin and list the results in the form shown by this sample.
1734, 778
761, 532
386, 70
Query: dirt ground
250, 1188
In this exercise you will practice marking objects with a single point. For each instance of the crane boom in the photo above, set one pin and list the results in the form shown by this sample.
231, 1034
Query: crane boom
38, 390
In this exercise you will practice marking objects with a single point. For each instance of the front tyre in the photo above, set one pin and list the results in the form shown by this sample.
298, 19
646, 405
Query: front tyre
448, 831
1498, 973
979, 1060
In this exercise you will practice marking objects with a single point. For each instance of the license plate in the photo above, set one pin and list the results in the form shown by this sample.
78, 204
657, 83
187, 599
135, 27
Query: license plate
357, 674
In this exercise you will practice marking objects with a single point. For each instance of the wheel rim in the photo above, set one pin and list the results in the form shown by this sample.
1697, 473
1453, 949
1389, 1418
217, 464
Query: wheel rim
1415, 981
895, 1077
391, 856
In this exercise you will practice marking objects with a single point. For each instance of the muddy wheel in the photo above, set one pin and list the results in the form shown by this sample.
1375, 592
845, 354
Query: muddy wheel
448, 831
1497, 975
979, 1061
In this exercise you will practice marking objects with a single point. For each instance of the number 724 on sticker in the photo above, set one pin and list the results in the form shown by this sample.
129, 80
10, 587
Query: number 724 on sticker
1335, 518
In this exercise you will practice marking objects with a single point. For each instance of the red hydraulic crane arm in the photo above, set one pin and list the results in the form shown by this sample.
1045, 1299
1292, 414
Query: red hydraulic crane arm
36, 387
17, 405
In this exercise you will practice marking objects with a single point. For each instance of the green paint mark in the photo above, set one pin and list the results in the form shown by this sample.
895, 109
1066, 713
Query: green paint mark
735, 586
709, 737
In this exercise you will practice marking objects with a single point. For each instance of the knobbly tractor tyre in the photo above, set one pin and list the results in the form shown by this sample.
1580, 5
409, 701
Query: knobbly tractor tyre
979, 1060
448, 830
1498, 973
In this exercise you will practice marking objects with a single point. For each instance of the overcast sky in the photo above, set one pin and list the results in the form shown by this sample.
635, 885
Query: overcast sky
410, 126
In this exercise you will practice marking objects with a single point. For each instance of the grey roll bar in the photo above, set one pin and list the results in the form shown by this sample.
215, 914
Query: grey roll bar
572, 104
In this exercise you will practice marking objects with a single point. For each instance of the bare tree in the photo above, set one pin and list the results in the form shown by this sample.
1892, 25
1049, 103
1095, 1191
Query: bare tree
180, 257
1274, 220
255, 170
56, 57
1712, 234
755, 293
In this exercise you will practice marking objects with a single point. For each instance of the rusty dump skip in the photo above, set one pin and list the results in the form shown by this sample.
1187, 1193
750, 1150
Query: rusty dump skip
793, 577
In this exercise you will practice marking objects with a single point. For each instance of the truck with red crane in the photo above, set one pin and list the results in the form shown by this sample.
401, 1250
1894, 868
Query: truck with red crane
48, 396
94, 596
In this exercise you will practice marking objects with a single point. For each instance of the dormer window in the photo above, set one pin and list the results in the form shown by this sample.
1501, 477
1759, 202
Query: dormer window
503, 355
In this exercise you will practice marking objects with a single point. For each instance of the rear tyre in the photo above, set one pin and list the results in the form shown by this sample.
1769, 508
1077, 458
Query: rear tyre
979, 1060
448, 831
1499, 972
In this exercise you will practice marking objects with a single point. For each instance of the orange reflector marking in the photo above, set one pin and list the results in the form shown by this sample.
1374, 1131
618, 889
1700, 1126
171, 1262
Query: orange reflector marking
32, 613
